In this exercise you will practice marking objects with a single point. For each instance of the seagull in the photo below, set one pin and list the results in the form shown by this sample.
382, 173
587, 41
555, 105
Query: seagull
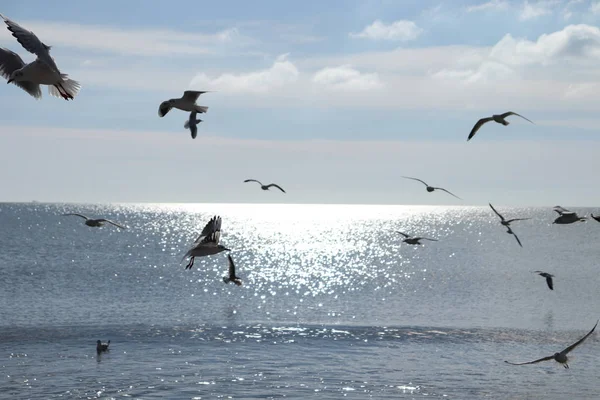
559, 357
431, 188
192, 124
207, 243
102, 347
96, 222
414, 240
496, 118
566, 216
187, 102
596, 218
548, 278
510, 231
41, 71
232, 277
504, 221
265, 187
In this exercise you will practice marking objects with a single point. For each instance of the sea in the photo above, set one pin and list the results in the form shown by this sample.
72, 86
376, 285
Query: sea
333, 304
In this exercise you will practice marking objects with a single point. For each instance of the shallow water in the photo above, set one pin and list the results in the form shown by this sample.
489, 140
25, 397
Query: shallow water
333, 305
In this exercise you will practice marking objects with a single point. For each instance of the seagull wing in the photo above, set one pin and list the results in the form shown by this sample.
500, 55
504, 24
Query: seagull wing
31, 43
253, 180
561, 210
549, 282
447, 191
517, 219
275, 185
194, 131
403, 234
112, 223
577, 343
415, 179
532, 362
79, 215
191, 95
508, 114
516, 237
213, 226
10, 62
497, 213
596, 218
424, 238
164, 108
231, 267
477, 126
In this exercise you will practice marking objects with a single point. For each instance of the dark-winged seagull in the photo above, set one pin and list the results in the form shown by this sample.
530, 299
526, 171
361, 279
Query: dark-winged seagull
566, 216
41, 71
548, 278
207, 243
192, 124
431, 188
409, 239
187, 102
102, 347
232, 277
559, 357
265, 187
595, 218
96, 223
510, 232
506, 222
496, 118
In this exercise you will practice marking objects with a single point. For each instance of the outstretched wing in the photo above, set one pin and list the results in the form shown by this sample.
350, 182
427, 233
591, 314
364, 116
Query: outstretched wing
210, 229
497, 213
509, 113
532, 362
478, 125
191, 95
231, 266
164, 108
415, 179
79, 215
10, 62
561, 210
517, 219
112, 223
31, 43
447, 191
424, 238
549, 282
403, 234
253, 180
275, 185
577, 343
516, 237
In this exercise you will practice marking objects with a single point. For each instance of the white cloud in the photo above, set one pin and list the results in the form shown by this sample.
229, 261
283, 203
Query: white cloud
281, 73
402, 30
490, 5
535, 10
346, 78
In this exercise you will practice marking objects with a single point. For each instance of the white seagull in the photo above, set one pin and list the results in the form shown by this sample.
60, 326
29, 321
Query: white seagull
496, 118
207, 243
559, 357
41, 71
265, 187
192, 124
187, 102
566, 216
431, 188
231, 276
414, 240
96, 223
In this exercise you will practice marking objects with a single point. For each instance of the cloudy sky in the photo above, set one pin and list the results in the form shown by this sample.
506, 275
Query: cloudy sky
335, 100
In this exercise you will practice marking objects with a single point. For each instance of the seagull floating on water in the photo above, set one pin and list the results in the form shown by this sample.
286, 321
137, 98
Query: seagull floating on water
548, 278
559, 357
431, 188
187, 102
496, 118
102, 347
41, 71
566, 216
232, 277
265, 187
414, 240
192, 124
96, 223
207, 243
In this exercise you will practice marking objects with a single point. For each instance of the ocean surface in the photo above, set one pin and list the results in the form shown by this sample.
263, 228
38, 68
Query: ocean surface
333, 304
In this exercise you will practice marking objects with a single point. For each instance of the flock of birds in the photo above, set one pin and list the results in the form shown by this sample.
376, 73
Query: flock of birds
44, 71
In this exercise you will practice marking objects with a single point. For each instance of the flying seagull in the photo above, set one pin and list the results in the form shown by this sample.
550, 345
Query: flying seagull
96, 222
232, 277
510, 232
559, 357
207, 243
41, 71
431, 188
596, 218
187, 102
503, 221
265, 187
192, 124
566, 216
102, 347
496, 118
548, 278
414, 240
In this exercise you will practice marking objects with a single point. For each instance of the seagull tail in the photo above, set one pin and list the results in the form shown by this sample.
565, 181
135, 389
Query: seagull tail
201, 109
67, 86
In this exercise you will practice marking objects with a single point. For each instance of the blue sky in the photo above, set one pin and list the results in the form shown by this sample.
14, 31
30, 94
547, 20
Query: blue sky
333, 100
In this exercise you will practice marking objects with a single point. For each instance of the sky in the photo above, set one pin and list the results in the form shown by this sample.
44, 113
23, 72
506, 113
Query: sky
335, 101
